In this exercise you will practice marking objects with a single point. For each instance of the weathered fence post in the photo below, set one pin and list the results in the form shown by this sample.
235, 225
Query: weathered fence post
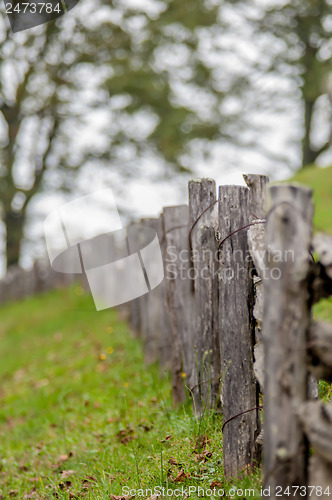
285, 331
179, 289
165, 342
239, 389
203, 219
257, 185
153, 314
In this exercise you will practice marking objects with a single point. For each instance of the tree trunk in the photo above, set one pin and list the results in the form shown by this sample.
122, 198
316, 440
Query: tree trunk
14, 223
308, 155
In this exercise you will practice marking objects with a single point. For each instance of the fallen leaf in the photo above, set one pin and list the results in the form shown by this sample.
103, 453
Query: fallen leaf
111, 419
146, 426
32, 494
41, 383
88, 481
19, 375
23, 468
126, 435
121, 497
67, 473
101, 367
167, 438
64, 485
34, 479
173, 461
62, 458
202, 456
201, 441
182, 476
57, 336
216, 484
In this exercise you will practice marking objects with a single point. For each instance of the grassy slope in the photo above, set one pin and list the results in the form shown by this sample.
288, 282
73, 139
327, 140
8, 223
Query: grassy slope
320, 179
63, 407
66, 408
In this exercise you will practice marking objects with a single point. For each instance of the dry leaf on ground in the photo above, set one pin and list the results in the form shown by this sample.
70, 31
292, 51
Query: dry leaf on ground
216, 484
182, 476
67, 473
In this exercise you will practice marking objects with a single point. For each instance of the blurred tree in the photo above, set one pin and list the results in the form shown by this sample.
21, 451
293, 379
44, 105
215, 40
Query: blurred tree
144, 66
305, 28
163, 80
41, 81
32, 70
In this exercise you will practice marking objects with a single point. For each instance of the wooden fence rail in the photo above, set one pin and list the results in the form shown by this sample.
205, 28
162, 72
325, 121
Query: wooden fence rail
232, 322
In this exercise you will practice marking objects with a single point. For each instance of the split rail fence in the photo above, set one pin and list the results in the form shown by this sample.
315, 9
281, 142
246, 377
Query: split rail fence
232, 321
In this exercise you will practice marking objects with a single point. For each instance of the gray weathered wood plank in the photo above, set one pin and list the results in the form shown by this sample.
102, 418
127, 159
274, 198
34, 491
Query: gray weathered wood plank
236, 329
257, 185
205, 380
285, 326
316, 418
180, 297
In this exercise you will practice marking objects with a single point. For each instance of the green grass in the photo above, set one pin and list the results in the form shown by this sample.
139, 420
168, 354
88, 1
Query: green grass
82, 416
320, 180
77, 396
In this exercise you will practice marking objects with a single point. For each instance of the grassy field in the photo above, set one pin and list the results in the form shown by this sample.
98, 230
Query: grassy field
82, 417
320, 180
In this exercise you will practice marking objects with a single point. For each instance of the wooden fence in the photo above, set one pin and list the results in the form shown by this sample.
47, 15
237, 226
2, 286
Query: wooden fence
232, 320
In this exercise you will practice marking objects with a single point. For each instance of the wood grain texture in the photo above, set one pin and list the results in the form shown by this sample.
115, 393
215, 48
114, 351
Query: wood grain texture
163, 321
257, 185
154, 314
285, 328
205, 381
180, 297
148, 309
236, 328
